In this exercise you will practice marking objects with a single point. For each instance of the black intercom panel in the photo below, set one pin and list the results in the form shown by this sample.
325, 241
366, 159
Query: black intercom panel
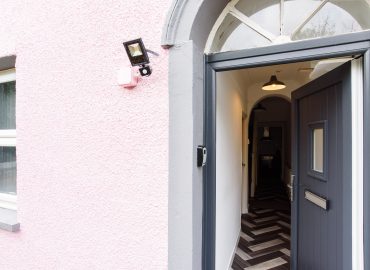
201, 155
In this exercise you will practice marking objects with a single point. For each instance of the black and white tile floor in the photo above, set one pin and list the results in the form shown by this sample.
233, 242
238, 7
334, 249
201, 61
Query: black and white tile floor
264, 241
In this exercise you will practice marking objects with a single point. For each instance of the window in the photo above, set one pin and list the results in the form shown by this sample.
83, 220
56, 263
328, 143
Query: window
8, 163
318, 150
247, 24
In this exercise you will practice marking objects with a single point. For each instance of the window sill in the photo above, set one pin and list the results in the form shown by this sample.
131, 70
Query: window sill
8, 220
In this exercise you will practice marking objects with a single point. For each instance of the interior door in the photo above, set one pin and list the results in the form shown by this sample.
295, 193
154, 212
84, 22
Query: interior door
321, 210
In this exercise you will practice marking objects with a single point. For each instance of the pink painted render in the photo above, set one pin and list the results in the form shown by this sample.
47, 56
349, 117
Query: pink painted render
92, 156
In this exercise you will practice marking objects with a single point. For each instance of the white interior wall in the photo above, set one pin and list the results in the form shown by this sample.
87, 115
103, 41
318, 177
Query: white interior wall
230, 103
244, 202
254, 163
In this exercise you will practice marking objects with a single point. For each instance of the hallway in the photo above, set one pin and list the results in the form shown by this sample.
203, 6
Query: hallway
264, 242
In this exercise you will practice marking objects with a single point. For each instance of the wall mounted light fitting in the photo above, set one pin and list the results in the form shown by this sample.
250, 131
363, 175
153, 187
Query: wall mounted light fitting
138, 56
266, 134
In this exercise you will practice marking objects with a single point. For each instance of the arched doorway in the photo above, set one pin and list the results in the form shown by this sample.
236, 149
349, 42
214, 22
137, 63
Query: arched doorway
193, 22
224, 156
212, 177
270, 143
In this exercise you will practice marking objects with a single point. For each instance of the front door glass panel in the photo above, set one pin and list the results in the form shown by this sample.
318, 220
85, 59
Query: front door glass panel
318, 150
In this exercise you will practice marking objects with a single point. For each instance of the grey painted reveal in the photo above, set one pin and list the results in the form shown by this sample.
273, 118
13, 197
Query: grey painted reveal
7, 62
185, 178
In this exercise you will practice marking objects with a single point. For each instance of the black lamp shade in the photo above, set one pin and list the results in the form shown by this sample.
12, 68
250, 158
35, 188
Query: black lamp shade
273, 85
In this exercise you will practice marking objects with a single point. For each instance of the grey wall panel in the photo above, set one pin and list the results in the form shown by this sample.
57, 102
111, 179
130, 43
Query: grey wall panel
185, 178
180, 216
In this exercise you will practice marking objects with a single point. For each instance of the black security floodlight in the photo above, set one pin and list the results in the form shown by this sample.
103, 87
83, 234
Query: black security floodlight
138, 55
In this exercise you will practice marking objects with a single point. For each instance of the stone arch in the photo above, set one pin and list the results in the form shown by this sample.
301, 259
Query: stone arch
190, 20
282, 96
284, 100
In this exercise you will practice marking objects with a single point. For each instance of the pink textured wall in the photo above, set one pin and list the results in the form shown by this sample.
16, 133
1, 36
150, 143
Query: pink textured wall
92, 156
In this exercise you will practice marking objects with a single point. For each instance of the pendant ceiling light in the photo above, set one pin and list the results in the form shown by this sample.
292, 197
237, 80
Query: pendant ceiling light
259, 108
273, 85
266, 134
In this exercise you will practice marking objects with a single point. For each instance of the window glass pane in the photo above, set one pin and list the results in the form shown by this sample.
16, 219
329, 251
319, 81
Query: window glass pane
266, 13
358, 9
301, 19
234, 35
329, 21
295, 12
8, 170
7, 105
318, 150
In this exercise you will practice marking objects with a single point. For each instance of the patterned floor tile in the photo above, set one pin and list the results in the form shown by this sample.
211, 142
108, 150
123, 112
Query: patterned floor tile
264, 241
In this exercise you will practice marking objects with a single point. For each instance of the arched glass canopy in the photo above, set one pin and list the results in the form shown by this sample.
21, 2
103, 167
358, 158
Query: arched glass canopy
247, 24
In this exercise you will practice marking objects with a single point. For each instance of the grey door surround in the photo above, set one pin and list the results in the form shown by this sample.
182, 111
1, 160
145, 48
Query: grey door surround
185, 32
344, 45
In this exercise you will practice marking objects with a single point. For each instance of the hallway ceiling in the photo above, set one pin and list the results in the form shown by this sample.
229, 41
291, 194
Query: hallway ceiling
298, 73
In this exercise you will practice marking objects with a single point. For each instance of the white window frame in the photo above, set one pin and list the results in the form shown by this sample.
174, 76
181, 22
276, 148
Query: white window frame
8, 137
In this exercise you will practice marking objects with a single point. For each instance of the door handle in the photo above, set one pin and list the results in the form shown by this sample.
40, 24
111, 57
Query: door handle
291, 188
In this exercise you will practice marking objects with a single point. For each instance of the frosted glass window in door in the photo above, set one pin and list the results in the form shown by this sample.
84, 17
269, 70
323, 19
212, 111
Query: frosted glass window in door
318, 150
